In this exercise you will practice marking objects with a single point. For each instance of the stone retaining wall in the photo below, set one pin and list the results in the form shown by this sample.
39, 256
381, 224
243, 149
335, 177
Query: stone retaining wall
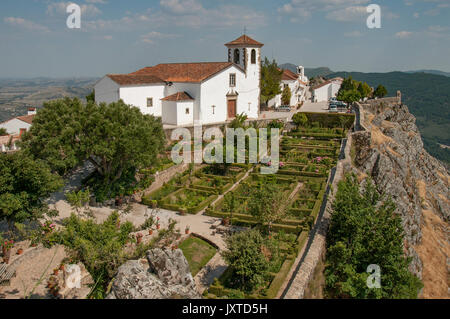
165, 176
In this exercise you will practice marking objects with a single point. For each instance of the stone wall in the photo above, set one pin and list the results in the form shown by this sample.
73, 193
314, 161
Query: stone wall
165, 176
377, 106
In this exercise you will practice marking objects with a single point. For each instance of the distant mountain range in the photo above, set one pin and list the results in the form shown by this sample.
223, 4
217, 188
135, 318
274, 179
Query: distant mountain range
309, 72
325, 71
16, 95
428, 99
435, 72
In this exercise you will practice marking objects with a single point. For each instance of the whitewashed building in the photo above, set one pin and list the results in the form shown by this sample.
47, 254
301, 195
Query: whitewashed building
297, 83
15, 127
328, 89
186, 93
20, 124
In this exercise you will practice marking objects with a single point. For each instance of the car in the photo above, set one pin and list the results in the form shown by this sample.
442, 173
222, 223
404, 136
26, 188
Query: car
333, 99
283, 108
333, 108
341, 104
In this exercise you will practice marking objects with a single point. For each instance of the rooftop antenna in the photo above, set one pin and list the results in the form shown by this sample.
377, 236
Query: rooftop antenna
245, 30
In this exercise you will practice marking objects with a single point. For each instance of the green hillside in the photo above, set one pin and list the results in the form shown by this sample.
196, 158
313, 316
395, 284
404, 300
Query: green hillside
309, 72
427, 97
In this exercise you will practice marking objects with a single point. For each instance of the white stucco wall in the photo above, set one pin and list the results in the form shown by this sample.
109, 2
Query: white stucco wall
326, 92
335, 86
193, 89
182, 117
106, 91
13, 126
137, 96
169, 114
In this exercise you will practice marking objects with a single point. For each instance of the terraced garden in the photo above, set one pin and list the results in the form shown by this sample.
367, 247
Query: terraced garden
306, 157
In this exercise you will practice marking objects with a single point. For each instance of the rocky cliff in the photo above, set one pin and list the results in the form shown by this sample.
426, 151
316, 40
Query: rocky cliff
390, 151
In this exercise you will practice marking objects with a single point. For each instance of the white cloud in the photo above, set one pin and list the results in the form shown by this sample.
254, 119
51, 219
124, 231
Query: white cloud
151, 37
60, 8
403, 35
96, 1
348, 14
298, 10
183, 13
25, 24
181, 6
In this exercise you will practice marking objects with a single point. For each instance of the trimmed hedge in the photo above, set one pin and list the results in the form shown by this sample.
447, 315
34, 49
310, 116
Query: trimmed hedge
191, 210
330, 120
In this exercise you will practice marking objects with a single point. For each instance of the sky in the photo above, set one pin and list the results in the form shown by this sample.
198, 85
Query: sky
118, 36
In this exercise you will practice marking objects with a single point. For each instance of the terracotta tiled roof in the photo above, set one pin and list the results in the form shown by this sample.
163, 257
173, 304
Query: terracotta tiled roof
184, 72
26, 118
322, 85
128, 79
303, 83
289, 75
245, 40
179, 96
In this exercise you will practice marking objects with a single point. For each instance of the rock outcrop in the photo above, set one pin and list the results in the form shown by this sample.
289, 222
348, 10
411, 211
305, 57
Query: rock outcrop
391, 152
164, 274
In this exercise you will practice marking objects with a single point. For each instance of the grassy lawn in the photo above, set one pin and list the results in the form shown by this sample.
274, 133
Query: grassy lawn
197, 252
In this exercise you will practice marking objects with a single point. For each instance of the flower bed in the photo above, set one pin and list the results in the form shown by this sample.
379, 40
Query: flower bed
187, 199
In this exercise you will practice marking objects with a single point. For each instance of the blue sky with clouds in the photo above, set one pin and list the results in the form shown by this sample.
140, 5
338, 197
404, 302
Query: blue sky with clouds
119, 36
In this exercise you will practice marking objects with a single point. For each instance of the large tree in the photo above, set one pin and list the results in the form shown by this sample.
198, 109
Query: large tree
365, 231
286, 96
245, 256
270, 80
349, 96
364, 89
380, 91
266, 204
24, 185
114, 137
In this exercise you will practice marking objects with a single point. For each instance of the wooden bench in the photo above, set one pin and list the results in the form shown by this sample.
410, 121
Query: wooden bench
6, 275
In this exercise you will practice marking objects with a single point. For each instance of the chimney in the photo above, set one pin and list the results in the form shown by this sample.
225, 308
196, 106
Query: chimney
31, 111
301, 71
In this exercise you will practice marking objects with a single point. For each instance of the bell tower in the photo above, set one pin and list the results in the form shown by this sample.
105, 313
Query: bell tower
245, 52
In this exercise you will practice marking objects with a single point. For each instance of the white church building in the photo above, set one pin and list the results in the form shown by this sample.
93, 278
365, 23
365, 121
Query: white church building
186, 93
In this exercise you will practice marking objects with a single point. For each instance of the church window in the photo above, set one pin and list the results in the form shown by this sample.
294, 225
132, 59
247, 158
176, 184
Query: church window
253, 56
214, 109
149, 102
187, 110
237, 58
232, 79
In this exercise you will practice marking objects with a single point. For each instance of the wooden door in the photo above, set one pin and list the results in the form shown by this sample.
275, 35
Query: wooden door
231, 108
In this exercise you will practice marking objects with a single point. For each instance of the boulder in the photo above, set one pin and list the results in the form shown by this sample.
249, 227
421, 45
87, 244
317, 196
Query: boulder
165, 274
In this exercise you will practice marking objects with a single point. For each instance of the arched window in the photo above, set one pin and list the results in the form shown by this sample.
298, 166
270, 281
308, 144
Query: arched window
253, 56
236, 56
